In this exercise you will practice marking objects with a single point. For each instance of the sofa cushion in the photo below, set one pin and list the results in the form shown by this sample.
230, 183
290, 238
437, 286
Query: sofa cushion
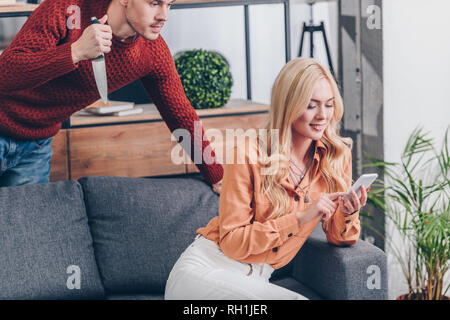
46, 246
141, 226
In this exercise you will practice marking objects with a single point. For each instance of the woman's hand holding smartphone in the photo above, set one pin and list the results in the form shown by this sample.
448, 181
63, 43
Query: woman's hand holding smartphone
349, 202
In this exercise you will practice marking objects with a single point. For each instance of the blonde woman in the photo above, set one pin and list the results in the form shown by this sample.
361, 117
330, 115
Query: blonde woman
267, 211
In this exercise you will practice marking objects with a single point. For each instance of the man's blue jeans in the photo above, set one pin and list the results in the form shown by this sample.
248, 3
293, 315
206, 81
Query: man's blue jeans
24, 162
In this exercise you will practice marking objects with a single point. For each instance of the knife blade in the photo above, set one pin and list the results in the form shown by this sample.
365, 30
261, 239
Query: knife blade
99, 67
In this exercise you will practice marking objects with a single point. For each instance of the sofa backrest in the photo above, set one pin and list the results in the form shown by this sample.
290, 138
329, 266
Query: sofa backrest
141, 226
46, 248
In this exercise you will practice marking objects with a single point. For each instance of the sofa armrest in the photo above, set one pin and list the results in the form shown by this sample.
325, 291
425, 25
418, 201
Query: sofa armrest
344, 273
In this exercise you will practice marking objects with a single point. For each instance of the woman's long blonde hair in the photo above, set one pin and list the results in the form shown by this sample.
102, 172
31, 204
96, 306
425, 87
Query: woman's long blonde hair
291, 95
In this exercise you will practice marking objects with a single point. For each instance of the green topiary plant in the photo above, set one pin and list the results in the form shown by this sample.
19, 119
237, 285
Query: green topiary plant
206, 78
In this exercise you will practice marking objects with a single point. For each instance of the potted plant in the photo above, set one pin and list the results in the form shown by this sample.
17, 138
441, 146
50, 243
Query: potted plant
205, 76
415, 200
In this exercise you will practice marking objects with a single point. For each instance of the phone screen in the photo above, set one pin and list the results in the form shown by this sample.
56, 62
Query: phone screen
364, 180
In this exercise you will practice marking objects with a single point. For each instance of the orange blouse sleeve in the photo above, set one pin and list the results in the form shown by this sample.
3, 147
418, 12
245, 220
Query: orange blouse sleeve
241, 236
342, 229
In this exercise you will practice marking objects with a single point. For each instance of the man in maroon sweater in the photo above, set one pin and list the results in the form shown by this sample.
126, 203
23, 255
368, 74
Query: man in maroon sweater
46, 75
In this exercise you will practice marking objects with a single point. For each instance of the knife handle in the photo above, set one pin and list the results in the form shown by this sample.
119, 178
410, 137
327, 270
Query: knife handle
94, 20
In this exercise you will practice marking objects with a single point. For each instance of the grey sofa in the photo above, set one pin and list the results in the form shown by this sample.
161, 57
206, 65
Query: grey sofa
118, 238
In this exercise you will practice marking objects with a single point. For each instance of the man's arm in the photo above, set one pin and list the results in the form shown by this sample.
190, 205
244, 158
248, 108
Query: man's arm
166, 91
35, 56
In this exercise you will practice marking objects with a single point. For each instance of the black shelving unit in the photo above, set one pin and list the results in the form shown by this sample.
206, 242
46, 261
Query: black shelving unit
246, 4
135, 89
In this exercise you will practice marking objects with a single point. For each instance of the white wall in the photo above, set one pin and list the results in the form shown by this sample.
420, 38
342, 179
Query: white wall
416, 80
218, 29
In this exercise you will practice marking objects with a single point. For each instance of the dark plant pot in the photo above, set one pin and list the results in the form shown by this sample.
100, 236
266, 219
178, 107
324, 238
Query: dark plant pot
415, 296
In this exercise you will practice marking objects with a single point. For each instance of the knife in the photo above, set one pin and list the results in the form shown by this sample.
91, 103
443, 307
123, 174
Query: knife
99, 67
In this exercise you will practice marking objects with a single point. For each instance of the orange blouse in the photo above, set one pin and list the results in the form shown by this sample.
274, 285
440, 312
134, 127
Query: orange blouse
242, 230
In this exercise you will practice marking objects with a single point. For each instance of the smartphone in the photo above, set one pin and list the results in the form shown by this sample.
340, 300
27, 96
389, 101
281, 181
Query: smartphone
364, 180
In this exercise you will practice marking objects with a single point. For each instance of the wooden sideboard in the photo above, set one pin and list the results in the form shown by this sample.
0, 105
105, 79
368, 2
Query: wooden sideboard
140, 145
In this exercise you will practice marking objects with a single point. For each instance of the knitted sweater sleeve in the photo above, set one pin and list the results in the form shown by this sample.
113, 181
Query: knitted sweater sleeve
35, 56
166, 90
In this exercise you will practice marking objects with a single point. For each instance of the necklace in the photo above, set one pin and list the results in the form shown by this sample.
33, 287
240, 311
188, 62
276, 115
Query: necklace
299, 172
296, 177
302, 175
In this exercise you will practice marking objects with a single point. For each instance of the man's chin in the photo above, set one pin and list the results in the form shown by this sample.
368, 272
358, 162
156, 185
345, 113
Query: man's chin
151, 36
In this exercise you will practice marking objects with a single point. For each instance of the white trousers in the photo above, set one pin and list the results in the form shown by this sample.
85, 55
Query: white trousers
204, 272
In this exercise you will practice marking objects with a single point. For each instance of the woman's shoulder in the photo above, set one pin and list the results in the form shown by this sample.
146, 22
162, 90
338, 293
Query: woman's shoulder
243, 151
